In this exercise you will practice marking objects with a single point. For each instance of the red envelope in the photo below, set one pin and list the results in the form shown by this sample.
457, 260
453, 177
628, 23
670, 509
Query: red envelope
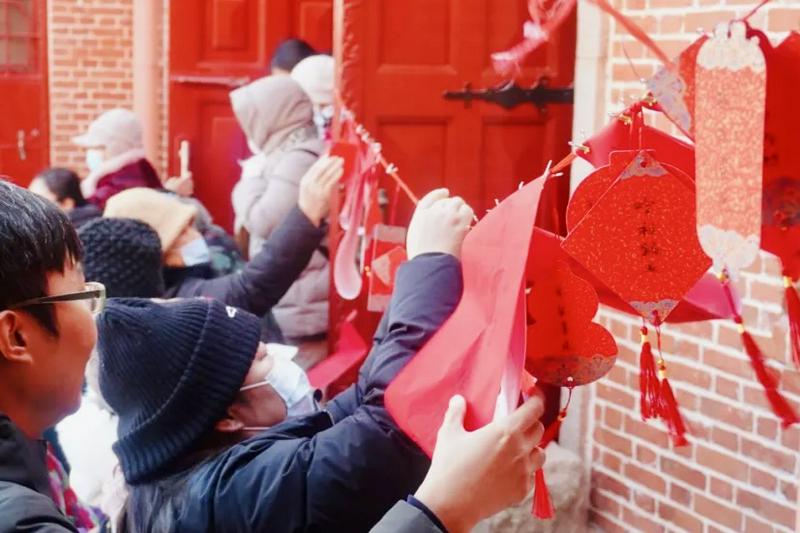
349, 152
470, 353
565, 348
639, 239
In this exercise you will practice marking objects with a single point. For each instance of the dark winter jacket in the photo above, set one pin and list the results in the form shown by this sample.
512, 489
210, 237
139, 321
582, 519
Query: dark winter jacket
264, 279
338, 470
25, 500
139, 173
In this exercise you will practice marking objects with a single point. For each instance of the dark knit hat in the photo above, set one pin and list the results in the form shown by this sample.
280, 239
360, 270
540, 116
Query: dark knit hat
124, 255
170, 371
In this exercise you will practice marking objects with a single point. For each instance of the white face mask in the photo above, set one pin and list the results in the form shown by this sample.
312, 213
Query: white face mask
195, 252
253, 147
292, 385
94, 158
322, 119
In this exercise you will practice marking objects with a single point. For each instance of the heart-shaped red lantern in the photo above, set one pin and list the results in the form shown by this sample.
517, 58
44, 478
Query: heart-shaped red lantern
565, 348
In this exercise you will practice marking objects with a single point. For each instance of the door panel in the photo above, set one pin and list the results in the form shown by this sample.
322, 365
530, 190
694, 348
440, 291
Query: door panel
213, 50
23, 86
314, 23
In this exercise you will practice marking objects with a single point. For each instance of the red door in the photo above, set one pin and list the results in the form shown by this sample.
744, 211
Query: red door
216, 46
399, 57
23, 86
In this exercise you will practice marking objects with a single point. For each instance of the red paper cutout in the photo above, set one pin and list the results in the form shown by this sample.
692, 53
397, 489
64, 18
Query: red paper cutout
565, 348
387, 255
639, 239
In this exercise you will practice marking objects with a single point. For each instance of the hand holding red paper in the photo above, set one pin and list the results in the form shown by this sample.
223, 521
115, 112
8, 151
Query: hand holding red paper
439, 224
476, 474
317, 186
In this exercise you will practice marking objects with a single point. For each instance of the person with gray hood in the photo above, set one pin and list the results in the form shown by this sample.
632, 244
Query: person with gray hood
276, 116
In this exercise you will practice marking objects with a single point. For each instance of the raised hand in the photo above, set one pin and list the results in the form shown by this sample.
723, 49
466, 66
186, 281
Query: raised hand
439, 224
181, 185
317, 186
476, 474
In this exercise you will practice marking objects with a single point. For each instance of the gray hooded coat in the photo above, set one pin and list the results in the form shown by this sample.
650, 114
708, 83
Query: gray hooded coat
277, 118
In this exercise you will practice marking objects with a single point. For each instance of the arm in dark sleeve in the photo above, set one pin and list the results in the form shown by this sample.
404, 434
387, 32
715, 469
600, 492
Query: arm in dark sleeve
267, 276
409, 517
363, 463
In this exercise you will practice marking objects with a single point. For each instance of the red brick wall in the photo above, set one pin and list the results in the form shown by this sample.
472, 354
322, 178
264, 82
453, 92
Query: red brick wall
91, 71
740, 471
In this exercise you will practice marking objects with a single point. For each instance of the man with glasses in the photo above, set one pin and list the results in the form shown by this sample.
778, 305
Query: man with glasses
47, 333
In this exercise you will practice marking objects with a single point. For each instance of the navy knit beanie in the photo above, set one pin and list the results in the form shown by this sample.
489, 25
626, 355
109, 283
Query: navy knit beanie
170, 371
124, 255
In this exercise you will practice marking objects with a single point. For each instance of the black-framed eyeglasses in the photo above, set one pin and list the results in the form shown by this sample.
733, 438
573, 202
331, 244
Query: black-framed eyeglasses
94, 294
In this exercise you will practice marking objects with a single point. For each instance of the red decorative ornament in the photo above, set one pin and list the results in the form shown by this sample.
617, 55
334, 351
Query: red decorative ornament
546, 17
674, 91
387, 254
359, 179
780, 230
729, 137
565, 348
639, 238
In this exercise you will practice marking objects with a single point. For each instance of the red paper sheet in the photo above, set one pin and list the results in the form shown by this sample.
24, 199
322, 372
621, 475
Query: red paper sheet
469, 354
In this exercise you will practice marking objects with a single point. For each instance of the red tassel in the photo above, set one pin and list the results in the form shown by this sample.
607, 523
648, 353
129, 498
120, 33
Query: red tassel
551, 432
793, 310
542, 506
671, 415
648, 380
779, 405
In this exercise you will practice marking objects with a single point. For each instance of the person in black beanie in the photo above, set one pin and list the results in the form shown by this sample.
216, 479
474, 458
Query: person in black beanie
195, 394
124, 255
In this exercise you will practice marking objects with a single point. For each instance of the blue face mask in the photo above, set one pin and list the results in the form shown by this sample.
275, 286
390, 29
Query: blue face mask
196, 252
94, 158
